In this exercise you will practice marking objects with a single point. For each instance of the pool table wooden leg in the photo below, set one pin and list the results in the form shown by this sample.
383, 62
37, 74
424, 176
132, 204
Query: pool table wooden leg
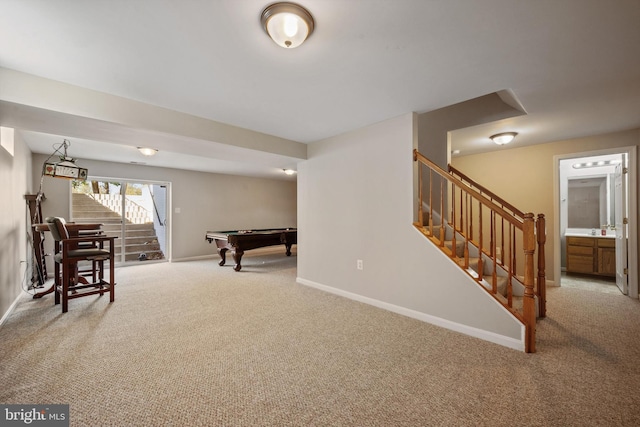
237, 257
223, 254
288, 249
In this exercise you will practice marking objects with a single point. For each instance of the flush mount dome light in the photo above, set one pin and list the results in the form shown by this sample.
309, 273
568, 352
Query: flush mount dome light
288, 24
503, 138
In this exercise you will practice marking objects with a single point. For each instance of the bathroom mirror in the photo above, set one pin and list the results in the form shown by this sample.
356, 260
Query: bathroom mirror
590, 202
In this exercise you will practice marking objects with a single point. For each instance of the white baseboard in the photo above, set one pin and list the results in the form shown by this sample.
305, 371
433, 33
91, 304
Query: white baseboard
444, 323
10, 309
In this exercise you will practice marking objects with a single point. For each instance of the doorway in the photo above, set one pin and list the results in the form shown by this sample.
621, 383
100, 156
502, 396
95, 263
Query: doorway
133, 211
596, 221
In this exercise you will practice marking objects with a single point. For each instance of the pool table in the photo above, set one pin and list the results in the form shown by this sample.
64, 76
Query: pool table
239, 241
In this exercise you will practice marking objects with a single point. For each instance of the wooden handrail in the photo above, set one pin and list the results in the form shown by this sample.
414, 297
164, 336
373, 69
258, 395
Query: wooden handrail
476, 195
517, 212
526, 235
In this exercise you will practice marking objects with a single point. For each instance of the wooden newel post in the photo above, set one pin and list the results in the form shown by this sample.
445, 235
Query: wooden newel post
529, 306
541, 234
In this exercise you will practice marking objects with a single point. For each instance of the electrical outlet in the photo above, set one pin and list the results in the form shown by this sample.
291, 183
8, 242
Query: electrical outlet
359, 264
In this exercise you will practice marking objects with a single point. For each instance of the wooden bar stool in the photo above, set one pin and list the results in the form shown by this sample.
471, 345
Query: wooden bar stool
69, 251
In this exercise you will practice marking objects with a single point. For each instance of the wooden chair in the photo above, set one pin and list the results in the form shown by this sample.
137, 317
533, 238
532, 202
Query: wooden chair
69, 252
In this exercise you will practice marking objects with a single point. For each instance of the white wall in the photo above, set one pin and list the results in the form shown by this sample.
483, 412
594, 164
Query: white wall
207, 201
355, 201
15, 177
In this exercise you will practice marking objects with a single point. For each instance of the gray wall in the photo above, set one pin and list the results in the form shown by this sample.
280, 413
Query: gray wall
206, 201
15, 179
355, 201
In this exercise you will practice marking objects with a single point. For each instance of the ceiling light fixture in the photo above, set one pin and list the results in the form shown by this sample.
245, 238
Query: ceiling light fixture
289, 171
147, 151
503, 138
288, 24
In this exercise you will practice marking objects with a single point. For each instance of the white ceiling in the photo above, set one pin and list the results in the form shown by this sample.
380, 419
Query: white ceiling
574, 65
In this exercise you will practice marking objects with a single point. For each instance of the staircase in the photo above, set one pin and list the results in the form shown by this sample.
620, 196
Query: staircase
493, 242
140, 240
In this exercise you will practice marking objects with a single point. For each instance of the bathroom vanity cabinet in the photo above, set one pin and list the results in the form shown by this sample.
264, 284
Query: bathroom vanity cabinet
591, 255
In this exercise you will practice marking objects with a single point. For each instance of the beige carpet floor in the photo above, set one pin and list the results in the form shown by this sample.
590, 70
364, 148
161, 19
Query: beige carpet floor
195, 344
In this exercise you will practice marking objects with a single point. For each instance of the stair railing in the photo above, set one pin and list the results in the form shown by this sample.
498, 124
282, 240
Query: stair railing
500, 233
155, 207
540, 231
